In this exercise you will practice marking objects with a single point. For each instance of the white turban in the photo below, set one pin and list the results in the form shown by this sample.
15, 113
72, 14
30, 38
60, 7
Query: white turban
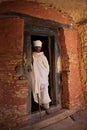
37, 43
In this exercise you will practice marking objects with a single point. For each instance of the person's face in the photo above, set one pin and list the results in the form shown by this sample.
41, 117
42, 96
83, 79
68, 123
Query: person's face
38, 48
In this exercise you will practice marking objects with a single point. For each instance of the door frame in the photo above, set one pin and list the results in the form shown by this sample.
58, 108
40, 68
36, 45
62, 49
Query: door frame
52, 35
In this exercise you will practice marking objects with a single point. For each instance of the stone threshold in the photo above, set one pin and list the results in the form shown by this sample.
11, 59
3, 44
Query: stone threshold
49, 119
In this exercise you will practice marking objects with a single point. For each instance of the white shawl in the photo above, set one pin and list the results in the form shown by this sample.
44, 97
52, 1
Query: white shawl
40, 73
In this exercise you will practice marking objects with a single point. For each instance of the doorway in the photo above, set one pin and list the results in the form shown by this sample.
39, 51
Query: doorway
51, 51
46, 49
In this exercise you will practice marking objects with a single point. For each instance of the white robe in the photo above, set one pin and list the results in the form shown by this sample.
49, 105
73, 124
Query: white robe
40, 71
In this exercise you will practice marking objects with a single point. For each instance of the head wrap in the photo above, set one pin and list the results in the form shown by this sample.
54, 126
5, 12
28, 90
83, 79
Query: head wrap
37, 43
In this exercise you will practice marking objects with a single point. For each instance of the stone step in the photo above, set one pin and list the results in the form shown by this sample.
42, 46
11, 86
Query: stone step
48, 120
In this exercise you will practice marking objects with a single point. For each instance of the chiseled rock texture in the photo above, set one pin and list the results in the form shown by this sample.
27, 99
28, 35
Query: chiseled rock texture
83, 56
13, 93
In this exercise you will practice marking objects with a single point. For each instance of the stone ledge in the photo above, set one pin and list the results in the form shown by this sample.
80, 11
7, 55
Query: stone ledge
49, 119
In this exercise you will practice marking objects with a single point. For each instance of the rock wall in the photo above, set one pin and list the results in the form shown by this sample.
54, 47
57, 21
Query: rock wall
14, 93
75, 10
82, 29
72, 90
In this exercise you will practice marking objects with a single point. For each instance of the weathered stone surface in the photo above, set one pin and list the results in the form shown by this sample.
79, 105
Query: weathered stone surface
83, 57
13, 94
75, 10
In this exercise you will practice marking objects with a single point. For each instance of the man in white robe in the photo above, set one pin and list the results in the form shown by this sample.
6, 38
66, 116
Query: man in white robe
40, 71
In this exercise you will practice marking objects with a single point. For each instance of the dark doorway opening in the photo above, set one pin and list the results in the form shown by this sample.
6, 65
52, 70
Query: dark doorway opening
45, 49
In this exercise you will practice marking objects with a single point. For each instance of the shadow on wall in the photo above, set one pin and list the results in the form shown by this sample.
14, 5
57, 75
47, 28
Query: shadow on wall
65, 68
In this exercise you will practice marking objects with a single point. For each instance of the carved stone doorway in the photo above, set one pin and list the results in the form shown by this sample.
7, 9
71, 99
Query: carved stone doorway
50, 48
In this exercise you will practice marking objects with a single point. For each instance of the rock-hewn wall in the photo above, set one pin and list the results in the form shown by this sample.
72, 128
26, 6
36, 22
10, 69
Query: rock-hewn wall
13, 94
83, 57
75, 10
72, 90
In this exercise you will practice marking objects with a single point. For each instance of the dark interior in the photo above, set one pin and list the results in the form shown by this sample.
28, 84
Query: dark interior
44, 39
